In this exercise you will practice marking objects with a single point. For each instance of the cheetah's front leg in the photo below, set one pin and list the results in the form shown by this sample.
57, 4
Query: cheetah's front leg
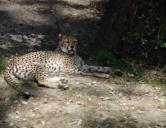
54, 82
43, 79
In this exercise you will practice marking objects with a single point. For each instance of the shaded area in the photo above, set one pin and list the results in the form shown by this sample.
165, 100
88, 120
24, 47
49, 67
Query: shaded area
10, 103
134, 29
113, 25
59, 24
110, 123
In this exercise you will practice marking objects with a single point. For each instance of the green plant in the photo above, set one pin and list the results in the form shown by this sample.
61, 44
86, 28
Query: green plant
160, 83
109, 59
147, 33
140, 73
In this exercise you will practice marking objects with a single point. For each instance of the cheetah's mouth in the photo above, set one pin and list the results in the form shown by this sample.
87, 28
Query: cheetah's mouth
71, 52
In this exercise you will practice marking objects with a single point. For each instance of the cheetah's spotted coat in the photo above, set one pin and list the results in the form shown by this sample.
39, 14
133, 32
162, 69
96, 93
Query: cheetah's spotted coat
38, 65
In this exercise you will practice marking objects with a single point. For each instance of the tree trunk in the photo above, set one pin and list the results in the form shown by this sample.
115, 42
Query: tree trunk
113, 25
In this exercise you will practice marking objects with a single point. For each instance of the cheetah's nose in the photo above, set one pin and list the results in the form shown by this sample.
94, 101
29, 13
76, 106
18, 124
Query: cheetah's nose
72, 47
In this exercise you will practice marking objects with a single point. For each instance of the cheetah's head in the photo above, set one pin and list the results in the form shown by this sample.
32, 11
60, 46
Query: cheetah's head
67, 44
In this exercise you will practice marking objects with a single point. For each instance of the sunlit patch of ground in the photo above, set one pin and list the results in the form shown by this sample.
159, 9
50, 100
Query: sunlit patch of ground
89, 102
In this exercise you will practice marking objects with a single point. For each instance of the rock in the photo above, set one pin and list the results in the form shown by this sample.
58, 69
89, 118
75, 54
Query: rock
64, 81
40, 36
78, 103
17, 112
90, 83
94, 82
35, 109
130, 74
24, 102
25, 37
77, 83
43, 122
64, 87
45, 101
17, 117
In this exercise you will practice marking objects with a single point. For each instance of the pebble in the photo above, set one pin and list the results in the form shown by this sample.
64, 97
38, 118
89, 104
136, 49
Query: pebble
90, 83
16, 101
40, 36
43, 122
45, 101
11, 124
24, 102
94, 82
70, 101
78, 103
77, 83
36, 108
17, 112
17, 117
24, 119
7, 99
79, 122
130, 75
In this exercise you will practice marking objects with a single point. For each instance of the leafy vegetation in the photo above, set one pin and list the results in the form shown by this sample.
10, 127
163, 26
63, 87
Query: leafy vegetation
146, 34
160, 82
109, 59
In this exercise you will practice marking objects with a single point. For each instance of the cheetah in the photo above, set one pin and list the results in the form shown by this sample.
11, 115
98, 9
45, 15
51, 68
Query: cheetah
38, 65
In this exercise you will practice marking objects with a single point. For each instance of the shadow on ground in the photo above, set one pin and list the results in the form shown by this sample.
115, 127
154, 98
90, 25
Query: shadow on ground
84, 27
6, 105
109, 123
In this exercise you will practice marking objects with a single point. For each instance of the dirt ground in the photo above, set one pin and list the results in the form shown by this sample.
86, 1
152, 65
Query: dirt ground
118, 102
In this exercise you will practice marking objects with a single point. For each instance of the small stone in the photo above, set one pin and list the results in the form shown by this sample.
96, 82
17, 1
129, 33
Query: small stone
105, 98
36, 108
17, 117
24, 119
79, 95
94, 82
25, 37
32, 34
43, 122
70, 101
77, 83
90, 83
40, 36
7, 99
24, 102
89, 99
64, 81
64, 87
16, 101
130, 75
45, 101
17, 112
79, 122
78, 103
11, 124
